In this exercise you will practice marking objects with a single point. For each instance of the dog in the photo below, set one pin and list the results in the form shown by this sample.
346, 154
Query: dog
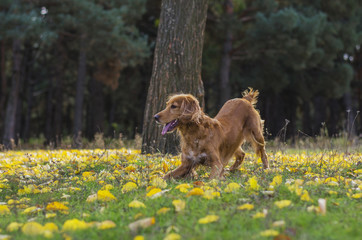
213, 141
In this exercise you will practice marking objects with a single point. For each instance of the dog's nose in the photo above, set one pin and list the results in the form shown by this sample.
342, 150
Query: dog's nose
157, 117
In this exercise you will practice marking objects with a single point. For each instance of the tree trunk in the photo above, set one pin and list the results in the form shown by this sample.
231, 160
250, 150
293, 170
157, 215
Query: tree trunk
225, 89
78, 113
10, 115
176, 66
58, 96
3, 86
96, 108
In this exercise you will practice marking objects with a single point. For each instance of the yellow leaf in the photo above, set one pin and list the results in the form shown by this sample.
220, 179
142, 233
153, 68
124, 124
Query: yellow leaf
277, 180
74, 225
208, 219
253, 184
106, 225
136, 204
259, 215
356, 195
105, 196
269, 233
210, 194
246, 206
50, 215
51, 227
4, 210
179, 205
138, 237
153, 192
158, 183
56, 206
231, 187
142, 223
32, 229
183, 187
128, 187
163, 211
172, 236
195, 192
14, 226
282, 203
305, 196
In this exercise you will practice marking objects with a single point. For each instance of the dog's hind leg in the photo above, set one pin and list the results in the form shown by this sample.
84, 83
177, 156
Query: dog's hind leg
259, 146
239, 158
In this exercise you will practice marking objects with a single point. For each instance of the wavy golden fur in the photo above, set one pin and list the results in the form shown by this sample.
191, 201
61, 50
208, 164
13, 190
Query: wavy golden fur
213, 141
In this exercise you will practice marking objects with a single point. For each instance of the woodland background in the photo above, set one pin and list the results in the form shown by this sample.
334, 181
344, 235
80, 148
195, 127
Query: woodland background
80, 67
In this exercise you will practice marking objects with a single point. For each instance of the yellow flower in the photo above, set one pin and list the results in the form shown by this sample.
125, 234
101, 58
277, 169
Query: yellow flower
128, 187
107, 187
195, 192
172, 236
246, 206
4, 210
179, 205
56, 206
282, 203
136, 204
163, 210
208, 219
105, 196
269, 233
153, 192
106, 225
138, 237
158, 182
231, 187
74, 225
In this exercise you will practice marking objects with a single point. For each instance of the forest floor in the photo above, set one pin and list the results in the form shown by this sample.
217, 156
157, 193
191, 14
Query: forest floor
119, 194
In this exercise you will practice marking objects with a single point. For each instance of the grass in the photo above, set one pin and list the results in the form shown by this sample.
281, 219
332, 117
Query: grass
31, 180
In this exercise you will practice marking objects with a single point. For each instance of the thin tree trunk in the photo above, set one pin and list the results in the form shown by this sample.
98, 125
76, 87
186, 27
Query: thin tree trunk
49, 113
176, 66
225, 89
351, 114
78, 113
96, 108
319, 114
3, 85
10, 115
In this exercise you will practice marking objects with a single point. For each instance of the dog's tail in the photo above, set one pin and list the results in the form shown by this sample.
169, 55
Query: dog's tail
251, 95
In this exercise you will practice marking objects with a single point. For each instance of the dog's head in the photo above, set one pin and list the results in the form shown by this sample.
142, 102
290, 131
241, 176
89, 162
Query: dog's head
180, 109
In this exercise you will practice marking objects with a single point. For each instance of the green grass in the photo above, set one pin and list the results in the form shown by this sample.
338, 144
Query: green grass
341, 221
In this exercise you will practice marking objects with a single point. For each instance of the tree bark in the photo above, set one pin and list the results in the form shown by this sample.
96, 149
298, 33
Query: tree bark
58, 95
3, 85
225, 89
78, 113
10, 115
176, 66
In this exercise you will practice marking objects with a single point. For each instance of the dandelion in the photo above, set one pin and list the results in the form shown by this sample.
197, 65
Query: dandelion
56, 206
74, 225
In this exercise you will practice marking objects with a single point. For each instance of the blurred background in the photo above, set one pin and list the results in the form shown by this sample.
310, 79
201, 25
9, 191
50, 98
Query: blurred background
84, 66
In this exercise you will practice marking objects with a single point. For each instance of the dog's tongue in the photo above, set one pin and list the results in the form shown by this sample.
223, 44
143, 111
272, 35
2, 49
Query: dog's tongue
165, 128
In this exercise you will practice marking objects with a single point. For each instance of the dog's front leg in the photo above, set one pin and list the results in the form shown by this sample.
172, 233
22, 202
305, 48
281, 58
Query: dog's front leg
217, 169
183, 170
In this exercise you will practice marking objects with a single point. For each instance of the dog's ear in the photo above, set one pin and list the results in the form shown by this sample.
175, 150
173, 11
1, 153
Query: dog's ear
191, 110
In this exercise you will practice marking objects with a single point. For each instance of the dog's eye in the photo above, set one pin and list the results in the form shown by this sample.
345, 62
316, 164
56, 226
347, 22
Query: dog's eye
173, 106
